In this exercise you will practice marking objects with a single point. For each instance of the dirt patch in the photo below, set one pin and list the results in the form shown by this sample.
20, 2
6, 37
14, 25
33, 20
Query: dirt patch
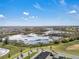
73, 47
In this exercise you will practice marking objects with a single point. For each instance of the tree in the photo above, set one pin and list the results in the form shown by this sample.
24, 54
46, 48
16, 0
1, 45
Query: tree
6, 41
0, 39
9, 55
56, 42
65, 41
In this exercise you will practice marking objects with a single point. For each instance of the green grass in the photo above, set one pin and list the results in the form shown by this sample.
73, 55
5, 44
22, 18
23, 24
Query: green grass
31, 55
17, 54
62, 47
14, 51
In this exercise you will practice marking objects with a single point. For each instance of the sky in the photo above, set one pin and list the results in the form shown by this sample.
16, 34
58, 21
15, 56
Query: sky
39, 12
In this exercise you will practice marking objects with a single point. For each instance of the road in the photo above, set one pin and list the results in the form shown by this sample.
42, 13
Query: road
45, 55
42, 55
25, 54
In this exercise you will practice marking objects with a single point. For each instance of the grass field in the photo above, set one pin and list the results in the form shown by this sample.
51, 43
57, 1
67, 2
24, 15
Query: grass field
31, 55
14, 51
62, 47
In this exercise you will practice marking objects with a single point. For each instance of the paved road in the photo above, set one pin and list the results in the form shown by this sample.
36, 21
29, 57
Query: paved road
42, 55
65, 55
68, 55
60, 54
49, 57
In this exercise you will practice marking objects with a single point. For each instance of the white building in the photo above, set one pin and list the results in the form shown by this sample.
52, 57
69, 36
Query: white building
57, 32
30, 38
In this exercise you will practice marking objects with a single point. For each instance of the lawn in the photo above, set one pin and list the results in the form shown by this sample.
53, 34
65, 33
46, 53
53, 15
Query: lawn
31, 55
62, 47
17, 54
14, 51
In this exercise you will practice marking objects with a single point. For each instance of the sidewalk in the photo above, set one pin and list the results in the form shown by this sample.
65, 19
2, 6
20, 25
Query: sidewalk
36, 55
24, 55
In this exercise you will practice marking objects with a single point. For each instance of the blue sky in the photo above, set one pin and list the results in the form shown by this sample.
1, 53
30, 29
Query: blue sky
39, 12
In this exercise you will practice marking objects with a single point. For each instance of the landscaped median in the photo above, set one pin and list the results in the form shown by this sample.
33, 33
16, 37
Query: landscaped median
30, 55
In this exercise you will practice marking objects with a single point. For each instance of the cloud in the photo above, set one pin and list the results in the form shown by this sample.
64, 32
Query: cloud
26, 13
37, 6
62, 2
28, 16
2, 16
33, 17
73, 12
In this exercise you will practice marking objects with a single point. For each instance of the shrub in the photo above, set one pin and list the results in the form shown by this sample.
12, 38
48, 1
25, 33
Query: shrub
71, 40
65, 41
56, 42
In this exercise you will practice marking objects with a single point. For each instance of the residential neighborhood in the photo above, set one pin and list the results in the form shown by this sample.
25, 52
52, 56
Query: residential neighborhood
39, 29
39, 43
